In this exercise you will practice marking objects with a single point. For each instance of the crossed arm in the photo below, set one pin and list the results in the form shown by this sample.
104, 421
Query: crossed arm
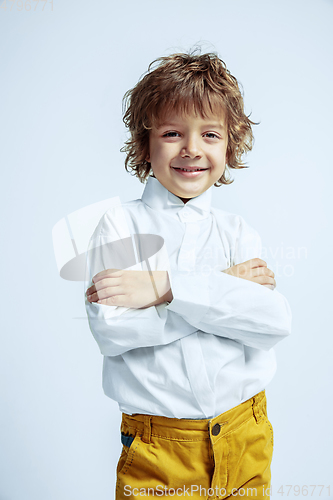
141, 289
235, 304
129, 309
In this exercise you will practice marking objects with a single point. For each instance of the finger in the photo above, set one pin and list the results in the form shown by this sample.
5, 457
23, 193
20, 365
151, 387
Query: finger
94, 294
105, 284
265, 280
101, 275
102, 284
91, 290
106, 293
115, 300
257, 263
93, 297
262, 271
100, 297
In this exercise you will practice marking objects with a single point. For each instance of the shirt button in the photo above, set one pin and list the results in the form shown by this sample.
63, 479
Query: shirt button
216, 429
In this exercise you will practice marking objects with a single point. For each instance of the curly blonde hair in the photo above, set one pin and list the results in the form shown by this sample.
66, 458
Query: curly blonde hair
184, 82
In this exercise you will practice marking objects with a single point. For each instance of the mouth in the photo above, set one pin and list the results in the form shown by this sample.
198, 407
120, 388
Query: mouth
189, 171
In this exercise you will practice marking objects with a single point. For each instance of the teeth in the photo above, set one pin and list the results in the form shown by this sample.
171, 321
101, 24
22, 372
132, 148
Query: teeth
191, 170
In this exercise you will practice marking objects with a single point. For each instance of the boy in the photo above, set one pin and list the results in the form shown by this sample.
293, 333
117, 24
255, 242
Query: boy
183, 309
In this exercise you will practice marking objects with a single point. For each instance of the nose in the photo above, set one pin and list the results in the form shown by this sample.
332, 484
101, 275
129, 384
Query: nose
191, 148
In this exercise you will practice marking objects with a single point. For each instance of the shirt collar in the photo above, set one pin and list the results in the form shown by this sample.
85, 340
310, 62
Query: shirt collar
156, 196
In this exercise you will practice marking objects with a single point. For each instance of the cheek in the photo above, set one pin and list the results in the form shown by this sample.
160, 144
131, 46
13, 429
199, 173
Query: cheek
224, 155
218, 159
164, 153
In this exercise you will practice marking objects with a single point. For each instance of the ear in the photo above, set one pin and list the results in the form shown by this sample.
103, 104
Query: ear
148, 157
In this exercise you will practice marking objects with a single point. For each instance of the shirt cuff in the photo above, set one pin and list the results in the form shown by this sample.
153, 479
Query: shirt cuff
191, 296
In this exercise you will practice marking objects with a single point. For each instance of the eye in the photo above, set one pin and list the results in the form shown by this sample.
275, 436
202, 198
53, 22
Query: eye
211, 134
170, 134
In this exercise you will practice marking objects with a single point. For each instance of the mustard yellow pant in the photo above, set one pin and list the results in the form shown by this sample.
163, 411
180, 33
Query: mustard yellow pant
224, 457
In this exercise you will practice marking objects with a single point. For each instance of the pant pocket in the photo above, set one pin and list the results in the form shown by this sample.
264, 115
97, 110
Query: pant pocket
126, 456
163, 464
126, 440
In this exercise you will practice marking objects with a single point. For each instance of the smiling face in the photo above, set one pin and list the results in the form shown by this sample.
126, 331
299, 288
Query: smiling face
188, 142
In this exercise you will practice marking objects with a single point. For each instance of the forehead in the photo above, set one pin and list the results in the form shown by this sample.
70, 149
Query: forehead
175, 117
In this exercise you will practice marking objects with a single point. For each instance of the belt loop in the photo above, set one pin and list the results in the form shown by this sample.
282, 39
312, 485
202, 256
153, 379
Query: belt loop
147, 429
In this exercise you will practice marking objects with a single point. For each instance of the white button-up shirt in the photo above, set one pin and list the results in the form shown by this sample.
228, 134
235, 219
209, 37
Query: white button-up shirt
211, 348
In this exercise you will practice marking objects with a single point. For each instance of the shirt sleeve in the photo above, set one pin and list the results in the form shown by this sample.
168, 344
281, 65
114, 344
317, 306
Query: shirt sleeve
119, 329
232, 307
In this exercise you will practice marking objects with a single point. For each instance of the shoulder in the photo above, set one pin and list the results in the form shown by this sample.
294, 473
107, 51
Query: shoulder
116, 219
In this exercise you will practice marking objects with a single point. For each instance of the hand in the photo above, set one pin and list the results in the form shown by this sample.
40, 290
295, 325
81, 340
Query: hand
253, 270
133, 289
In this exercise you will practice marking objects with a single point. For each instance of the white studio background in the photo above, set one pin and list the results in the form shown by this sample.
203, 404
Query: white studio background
63, 73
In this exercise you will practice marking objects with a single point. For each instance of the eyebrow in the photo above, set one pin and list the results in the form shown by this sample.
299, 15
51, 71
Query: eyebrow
209, 125
215, 125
